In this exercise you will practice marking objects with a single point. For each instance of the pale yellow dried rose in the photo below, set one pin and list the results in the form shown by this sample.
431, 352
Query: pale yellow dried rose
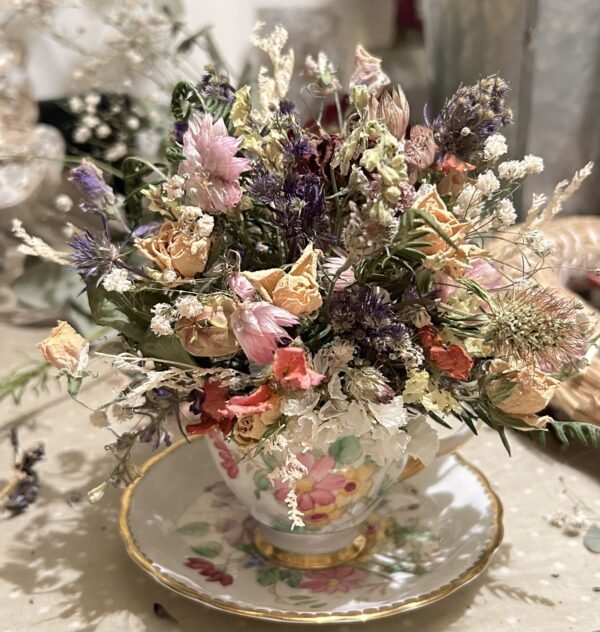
250, 429
297, 291
434, 206
65, 349
209, 333
531, 391
180, 246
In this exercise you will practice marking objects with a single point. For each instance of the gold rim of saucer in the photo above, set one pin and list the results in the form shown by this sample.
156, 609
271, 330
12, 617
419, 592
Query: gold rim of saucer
310, 561
368, 614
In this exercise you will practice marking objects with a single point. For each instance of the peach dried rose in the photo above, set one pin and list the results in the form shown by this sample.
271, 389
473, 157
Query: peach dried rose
180, 246
296, 291
209, 333
254, 412
434, 206
532, 390
248, 430
65, 349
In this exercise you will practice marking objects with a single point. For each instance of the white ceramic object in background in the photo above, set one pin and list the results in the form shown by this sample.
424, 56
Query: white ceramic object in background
431, 534
342, 486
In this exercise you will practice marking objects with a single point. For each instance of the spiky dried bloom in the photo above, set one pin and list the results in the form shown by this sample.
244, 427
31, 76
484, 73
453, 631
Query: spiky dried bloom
367, 72
393, 110
210, 167
537, 327
471, 116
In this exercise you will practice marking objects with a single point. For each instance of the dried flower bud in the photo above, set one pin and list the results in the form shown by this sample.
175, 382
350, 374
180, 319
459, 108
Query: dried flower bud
65, 349
420, 150
393, 109
367, 72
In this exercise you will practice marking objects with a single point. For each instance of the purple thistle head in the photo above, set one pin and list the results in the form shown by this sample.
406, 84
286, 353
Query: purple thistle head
367, 317
90, 182
94, 254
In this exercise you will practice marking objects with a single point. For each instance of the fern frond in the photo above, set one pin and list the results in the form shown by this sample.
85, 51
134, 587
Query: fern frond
567, 431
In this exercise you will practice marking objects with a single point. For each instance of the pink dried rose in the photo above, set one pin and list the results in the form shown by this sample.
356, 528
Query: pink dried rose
290, 367
259, 328
259, 401
210, 167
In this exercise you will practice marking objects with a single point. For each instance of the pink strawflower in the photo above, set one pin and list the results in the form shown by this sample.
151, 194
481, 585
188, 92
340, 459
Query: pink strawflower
210, 167
317, 487
259, 328
346, 278
481, 271
241, 286
332, 580
290, 368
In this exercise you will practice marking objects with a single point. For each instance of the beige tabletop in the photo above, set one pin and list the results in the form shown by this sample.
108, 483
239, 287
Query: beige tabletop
63, 568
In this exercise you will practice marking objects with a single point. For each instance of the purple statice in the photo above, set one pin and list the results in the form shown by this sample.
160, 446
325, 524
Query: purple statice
180, 128
88, 179
216, 84
287, 107
298, 148
94, 253
369, 320
196, 399
470, 116
294, 194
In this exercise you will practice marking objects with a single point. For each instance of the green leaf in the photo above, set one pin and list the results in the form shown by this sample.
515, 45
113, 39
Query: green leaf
587, 434
345, 450
194, 528
108, 309
73, 385
165, 347
268, 576
294, 579
269, 460
261, 482
210, 549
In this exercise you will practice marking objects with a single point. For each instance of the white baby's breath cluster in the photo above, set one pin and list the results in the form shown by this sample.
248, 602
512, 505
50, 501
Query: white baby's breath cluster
117, 280
505, 214
494, 147
163, 315
487, 183
512, 170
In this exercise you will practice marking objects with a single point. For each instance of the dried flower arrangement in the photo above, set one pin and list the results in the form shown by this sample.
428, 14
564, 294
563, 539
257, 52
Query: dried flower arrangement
286, 284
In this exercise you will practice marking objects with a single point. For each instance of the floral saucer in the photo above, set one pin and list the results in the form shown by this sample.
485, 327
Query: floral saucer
433, 533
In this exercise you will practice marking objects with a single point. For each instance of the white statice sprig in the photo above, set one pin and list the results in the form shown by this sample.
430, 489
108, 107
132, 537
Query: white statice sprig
290, 472
273, 89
